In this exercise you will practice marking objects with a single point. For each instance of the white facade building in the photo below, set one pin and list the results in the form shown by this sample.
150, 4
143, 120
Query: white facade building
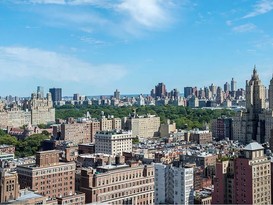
113, 142
174, 184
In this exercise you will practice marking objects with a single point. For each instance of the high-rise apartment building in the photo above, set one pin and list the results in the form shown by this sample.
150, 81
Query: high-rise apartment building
143, 126
213, 89
113, 142
56, 94
42, 111
95, 127
117, 94
188, 91
35, 111
48, 176
76, 97
256, 122
160, 90
40, 91
226, 87
245, 179
219, 96
174, 184
233, 85
118, 184
77, 133
9, 186
222, 128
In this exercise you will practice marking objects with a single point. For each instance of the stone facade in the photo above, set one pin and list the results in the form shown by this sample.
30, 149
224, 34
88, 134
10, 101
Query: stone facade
256, 122
113, 142
9, 186
144, 126
35, 111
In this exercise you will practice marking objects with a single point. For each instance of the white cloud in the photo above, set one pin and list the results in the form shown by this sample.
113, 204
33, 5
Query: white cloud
244, 28
120, 17
28, 63
45, 1
150, 14
261, 7
229, 22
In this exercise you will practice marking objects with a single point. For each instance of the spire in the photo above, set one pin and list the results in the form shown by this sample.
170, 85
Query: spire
255, 75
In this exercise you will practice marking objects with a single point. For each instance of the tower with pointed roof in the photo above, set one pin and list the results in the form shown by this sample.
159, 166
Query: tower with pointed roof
246, 125
255, 94
270, 93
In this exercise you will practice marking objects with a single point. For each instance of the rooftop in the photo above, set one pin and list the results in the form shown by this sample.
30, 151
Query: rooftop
27, 194
253, 146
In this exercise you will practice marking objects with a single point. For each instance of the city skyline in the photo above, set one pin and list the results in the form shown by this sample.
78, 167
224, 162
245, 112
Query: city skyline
93, 47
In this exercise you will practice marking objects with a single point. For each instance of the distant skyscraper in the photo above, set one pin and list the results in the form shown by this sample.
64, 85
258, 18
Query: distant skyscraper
153, 93
219, 95
213, 89
174, 93
208, 93
40, 91
254, 124
195, 91
233, 85
201, 93
270, 94
56, 94
117, 94
187, 91
226, 87
160, 90
76, 97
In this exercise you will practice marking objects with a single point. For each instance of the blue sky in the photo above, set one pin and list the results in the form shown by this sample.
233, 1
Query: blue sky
92, 47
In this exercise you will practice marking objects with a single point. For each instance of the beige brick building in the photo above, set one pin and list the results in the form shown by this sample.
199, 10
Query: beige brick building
113, 142
35, 111
143, 126
9, 186
110, 123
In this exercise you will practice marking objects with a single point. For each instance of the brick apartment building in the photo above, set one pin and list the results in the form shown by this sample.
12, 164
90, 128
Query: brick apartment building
118, 184
49, 177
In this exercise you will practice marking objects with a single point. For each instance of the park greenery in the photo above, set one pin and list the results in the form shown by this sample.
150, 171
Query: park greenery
26, 147
184, 117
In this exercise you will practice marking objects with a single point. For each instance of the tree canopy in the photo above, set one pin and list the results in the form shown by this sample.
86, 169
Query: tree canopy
27, 147
184, 117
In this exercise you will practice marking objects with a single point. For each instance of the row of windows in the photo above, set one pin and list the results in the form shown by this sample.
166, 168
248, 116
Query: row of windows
124, 194
124, 177
124, 186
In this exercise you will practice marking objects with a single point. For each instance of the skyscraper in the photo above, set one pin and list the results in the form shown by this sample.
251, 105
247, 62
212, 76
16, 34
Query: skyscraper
255, 123
40, 91
226, 87
187, 91
270, 94
233, 85
213, 89
160, 90
117, 94
56, 94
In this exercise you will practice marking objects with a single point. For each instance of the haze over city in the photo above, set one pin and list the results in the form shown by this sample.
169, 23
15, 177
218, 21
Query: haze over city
95, 46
